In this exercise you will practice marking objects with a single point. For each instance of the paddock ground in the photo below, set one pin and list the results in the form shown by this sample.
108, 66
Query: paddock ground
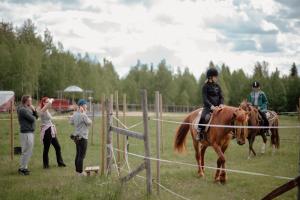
62, 183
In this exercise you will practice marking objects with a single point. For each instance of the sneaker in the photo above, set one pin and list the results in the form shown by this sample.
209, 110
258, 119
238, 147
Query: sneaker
24, 172
61, 165
81, 174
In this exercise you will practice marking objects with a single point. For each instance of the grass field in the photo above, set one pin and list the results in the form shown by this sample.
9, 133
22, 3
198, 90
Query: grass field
62, 183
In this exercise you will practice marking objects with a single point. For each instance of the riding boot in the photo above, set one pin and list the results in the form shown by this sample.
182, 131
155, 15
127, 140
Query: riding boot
200, 135
267, 130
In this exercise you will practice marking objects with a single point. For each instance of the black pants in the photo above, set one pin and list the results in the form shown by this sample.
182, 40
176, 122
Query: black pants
48, 140
264, 118
81, 146
206, 111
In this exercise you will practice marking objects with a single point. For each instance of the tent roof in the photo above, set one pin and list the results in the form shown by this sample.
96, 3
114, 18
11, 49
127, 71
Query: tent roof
6, 96
73, 88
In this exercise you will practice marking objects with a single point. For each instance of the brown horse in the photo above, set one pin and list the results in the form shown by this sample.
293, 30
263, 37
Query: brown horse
218, 137
256, 120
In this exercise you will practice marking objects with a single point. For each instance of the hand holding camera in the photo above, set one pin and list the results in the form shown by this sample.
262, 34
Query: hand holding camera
51, 100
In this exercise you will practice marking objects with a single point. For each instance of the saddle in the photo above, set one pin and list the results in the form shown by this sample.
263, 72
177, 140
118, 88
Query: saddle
208, 119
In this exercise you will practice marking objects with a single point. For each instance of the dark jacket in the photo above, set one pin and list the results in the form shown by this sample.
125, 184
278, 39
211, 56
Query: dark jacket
212, 95
27, 119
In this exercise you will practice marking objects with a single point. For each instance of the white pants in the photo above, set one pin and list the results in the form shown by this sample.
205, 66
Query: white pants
26, 140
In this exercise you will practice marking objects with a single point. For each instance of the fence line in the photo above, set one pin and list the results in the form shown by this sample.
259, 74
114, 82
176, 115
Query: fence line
209, 167
229, 126
160, 185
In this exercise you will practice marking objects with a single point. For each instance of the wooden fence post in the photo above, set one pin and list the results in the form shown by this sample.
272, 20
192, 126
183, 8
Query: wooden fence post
102, 134
161, 124
117, 125
298, 197
157, 108
299, 109
125, 138
11, 130
146, 142
93, 119
109, 113
299, 156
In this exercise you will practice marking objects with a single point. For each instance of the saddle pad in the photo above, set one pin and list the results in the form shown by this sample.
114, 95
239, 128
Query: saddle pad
197, 119
271, 115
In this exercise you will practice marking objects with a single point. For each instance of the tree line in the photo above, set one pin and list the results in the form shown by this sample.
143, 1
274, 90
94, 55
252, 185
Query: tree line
33, 64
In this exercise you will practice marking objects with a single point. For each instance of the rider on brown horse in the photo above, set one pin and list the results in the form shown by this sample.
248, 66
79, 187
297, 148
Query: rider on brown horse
259, 100
212, 98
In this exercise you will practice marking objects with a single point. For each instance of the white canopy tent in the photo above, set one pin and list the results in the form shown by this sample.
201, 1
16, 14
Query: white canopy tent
6, 97
7, 104
73, 89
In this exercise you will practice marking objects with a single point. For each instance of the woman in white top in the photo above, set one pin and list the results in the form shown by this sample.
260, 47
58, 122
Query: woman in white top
48, 133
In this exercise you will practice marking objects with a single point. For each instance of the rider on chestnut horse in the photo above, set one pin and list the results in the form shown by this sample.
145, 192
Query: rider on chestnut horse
212, 98
258, 99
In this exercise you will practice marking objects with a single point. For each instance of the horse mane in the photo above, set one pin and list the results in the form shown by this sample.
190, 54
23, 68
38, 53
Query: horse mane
226, 113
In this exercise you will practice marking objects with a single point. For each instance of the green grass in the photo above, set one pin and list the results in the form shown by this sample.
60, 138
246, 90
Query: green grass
62, 183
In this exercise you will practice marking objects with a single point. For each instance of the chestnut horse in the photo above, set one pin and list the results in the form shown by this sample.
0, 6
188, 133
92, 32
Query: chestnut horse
256, 120
218, 137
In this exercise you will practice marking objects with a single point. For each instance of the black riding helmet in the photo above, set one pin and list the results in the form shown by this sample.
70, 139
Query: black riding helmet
255, 84
211, 72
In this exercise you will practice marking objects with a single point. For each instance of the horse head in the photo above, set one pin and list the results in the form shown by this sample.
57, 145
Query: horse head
245, 105
240, 118
253, 114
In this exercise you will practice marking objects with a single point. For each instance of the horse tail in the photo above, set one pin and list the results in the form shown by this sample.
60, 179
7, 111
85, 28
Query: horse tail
181, 133
275, 140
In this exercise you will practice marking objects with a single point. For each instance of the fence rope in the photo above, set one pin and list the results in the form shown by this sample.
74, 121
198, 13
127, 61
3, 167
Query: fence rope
128, 171
229, 126
124, 126
160, 185
209, 167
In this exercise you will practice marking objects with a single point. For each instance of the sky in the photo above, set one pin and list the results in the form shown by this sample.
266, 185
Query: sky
186, 33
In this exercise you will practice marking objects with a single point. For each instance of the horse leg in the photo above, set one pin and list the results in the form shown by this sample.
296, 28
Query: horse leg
220, 160
273, 139
263, 147
197, 147
223, 171
251, 141
203, 149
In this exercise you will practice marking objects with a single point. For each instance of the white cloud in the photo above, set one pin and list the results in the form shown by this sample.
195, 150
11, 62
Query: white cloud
185, 33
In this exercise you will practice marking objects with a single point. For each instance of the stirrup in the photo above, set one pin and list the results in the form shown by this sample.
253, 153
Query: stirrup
200, 136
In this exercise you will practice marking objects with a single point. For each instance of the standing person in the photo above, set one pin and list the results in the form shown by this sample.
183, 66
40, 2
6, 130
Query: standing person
81, 122
48, 133
259, 99
26, 115
212, 98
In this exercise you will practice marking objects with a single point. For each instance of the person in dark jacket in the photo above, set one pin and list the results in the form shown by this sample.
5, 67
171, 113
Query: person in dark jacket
259, 99
212, 98
27, 115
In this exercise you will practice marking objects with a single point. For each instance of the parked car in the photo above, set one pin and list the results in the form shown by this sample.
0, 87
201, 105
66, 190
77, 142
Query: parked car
62, 105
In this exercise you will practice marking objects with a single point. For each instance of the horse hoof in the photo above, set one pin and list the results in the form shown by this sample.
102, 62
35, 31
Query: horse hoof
249, 157
200, 174
223, 181
217, 180
263, 149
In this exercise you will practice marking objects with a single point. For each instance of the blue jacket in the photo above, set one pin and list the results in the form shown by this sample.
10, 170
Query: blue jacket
262, 102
